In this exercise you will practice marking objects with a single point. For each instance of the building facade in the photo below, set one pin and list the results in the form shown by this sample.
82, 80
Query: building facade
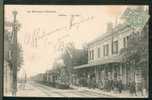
105, 61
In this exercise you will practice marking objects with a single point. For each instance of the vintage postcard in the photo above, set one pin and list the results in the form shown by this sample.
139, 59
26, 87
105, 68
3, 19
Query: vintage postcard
76, 51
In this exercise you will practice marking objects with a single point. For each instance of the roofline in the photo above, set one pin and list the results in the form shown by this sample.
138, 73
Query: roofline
114, 32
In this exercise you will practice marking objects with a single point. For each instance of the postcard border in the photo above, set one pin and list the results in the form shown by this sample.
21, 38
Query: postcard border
67, 2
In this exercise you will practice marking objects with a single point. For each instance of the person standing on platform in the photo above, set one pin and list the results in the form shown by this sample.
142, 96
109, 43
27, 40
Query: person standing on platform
120, 85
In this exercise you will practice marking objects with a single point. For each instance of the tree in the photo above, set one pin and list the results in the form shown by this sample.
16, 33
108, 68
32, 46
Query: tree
8, 48
74, 57
137, 49
136, 54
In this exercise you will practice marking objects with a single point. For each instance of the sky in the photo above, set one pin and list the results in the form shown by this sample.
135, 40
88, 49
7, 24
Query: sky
44, 28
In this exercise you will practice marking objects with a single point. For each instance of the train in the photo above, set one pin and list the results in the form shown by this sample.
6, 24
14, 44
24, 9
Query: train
57, 78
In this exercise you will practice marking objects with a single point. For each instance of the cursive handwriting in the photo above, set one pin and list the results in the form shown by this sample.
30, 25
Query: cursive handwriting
72, 24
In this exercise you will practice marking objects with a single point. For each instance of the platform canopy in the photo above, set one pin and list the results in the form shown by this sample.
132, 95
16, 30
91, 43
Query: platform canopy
100, 62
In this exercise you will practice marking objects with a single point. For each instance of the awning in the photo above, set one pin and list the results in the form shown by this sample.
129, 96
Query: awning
84, 66
100, 62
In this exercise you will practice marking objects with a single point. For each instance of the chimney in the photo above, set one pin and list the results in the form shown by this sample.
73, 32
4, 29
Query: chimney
109, 27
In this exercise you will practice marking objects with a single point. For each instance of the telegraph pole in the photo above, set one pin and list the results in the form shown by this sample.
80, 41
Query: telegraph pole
14, 51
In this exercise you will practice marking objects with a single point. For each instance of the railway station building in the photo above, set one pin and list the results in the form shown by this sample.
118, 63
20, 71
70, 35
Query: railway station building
105, 61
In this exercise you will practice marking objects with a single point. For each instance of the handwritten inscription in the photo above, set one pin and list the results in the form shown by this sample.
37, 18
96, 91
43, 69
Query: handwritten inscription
72, 24
33, 39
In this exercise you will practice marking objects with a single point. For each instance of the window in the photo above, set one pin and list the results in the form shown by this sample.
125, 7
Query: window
92, 54
106, 50
125, 41
115, 47
98, 52
89, 56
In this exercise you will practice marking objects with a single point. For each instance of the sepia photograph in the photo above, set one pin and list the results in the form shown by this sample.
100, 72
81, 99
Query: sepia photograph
87, 51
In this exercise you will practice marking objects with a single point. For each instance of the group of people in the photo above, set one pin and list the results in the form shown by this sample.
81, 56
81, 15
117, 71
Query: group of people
137, 88
115, 85
86, 82
109, 85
